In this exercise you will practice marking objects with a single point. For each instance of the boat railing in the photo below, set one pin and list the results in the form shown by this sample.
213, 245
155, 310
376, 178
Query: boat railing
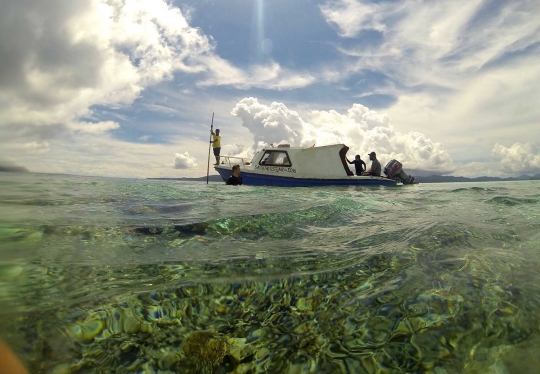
233, 160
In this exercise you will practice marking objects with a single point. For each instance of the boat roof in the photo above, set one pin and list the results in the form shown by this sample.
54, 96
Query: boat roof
296, 149
284, 146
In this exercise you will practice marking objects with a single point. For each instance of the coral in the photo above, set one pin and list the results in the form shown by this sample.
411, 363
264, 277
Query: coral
207, 347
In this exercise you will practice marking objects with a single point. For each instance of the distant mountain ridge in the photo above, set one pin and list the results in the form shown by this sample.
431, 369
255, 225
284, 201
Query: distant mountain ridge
447, 179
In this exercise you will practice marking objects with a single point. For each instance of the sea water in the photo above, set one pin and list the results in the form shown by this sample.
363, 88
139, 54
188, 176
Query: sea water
103, 275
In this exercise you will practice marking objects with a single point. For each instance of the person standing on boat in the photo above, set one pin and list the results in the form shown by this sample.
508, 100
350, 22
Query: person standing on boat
359, 164
375, 168
235, 179
216, 144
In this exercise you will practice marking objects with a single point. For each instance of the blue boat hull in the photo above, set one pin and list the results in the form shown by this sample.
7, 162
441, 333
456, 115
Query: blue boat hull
255, 179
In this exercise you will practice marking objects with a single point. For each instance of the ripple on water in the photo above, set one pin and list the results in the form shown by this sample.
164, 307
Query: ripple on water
477, 189
511, 201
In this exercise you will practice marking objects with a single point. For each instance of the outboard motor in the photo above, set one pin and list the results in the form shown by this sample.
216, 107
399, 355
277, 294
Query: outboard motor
394, 170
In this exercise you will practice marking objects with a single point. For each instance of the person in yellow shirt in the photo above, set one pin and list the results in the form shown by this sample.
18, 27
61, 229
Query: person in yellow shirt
216, 144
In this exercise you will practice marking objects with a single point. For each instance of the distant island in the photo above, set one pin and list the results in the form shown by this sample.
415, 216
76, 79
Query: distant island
14, 169
428, 179
10, 167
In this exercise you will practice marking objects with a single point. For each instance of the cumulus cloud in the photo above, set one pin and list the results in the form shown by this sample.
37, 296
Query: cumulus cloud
519, 157
238, 150
362, 129
271, 124
184, 161
60, 60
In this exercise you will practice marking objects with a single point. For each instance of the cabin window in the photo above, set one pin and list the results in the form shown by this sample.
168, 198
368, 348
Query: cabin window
275, 158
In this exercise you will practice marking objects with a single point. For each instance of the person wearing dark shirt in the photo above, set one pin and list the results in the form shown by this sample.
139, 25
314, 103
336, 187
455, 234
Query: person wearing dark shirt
375, 168
235, 179
358, 162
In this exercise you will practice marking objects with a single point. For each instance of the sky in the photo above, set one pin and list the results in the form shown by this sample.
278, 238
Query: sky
127, 88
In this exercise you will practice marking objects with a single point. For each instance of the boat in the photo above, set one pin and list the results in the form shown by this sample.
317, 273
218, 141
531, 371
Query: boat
286, 166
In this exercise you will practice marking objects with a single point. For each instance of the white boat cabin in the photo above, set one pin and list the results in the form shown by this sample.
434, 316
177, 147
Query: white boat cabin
317, 162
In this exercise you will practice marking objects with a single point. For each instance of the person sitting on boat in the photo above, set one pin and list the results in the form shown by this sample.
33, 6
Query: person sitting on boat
375, 168
359, 164
216, 144
235, 179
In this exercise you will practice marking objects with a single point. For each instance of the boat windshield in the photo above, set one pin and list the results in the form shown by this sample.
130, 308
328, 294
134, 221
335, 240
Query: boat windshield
275, 158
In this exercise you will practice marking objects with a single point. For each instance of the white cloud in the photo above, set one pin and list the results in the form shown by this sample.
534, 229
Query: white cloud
271, 76
184, 161
480, 169
37, 148
455, 67
351, 16
363, 130
271, 124
94, 127
60, 60
237, 150
64, 59
519, 157
145, 138
162, 109
102, 154
428, 42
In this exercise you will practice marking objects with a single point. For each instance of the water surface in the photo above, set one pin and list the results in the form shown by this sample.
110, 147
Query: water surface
101, 275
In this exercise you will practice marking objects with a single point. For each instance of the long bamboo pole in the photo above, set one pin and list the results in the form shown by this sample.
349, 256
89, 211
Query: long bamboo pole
209, 147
